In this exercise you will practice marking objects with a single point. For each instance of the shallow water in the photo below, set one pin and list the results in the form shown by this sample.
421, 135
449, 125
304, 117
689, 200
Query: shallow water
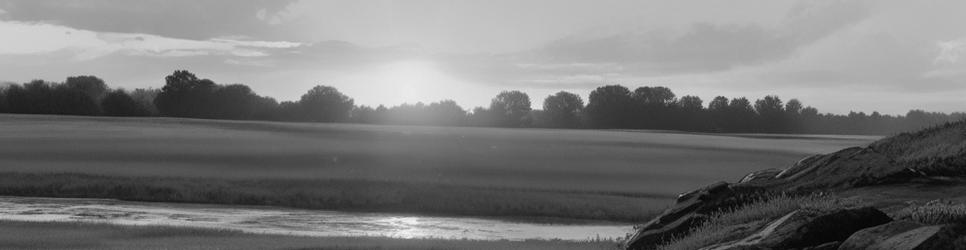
273, 220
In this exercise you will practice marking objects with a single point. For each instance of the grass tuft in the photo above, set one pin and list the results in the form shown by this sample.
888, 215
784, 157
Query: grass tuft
737, 223
934, 213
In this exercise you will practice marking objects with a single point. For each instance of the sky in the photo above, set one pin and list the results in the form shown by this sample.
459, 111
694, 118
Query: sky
838, 56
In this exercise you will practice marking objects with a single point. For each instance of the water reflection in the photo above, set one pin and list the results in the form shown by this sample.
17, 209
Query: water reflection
292, 221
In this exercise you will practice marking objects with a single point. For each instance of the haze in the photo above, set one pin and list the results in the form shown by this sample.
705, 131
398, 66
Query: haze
835, 55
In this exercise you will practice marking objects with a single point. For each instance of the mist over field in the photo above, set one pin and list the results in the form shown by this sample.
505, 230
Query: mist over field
647, 162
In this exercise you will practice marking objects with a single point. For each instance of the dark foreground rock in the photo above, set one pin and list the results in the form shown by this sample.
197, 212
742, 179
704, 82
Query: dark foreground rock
934, 157
904, 235
809, 229
691, 210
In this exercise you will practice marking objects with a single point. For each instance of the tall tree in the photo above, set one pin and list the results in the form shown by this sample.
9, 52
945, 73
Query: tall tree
771, 112
325, 104
185, 95
610, 107
653, 107
511, 109
119, 103
90, 85
563, 109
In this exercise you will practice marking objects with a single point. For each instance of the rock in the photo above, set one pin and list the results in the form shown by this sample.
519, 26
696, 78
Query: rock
806, 228
865, 238
827, 246
901, 236
691, 210
761, 175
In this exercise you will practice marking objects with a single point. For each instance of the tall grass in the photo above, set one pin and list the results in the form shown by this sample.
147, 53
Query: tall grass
346, 195
935, 212
739, 222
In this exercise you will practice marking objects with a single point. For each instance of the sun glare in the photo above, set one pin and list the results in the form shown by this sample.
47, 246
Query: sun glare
415, 81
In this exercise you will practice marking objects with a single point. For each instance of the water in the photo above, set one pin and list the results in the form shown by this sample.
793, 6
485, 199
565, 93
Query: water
273, 220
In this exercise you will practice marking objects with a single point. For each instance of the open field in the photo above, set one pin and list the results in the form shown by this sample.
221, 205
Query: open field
579, 174
65, 235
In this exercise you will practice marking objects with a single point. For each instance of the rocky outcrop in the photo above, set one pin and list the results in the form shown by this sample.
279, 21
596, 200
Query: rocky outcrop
809, 229
932, 156
905, 235
866, 238
691, 210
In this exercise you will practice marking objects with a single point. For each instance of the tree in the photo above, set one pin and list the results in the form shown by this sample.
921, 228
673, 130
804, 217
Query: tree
235, 101
90, 85
793, 106
145, 98
771, 110
610, 107
265, 108
511, 109
325, 104
563, 109
741, 116
719, 103
119, 103
718, 114
652, 108
690, 103
69, 101
185, 95
446, 113
654, 96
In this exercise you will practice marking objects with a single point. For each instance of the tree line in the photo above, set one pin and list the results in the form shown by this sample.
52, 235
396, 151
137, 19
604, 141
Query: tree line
607, 107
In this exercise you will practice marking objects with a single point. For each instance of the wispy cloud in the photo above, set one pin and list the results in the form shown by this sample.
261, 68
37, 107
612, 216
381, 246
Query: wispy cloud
39, 38
950, 51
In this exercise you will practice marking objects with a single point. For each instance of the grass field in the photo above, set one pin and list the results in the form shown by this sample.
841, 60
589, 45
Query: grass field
580, 174
65, 235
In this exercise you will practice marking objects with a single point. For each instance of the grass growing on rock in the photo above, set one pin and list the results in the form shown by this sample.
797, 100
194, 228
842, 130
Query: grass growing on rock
935, 212
737, 223
69, 235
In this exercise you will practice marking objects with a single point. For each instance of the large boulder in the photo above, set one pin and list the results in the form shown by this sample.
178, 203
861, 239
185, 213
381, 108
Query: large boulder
868, 237
761, 175
691, 210
904, 235
808, 228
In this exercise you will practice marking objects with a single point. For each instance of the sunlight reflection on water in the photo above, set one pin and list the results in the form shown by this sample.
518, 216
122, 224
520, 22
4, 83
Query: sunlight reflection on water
273, 220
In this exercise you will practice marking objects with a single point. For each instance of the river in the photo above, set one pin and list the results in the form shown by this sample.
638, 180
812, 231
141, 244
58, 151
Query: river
275, 220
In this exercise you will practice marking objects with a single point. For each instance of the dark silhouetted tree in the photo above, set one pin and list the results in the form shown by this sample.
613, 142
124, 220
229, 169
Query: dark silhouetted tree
119, 103
511, 109
771, 113
610, 107
718, 114
690, 113
89, 85
719, 103
563, 110
235, 101
652, 107
741, 116
185, 95
145, 98
325, 104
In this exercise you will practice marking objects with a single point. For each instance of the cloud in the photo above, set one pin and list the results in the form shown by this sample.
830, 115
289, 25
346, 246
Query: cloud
27, 38
706, 47
696, 48
950, 51
196, 19
285, 14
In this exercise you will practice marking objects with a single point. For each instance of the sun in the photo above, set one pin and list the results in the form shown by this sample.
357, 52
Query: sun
414, 81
